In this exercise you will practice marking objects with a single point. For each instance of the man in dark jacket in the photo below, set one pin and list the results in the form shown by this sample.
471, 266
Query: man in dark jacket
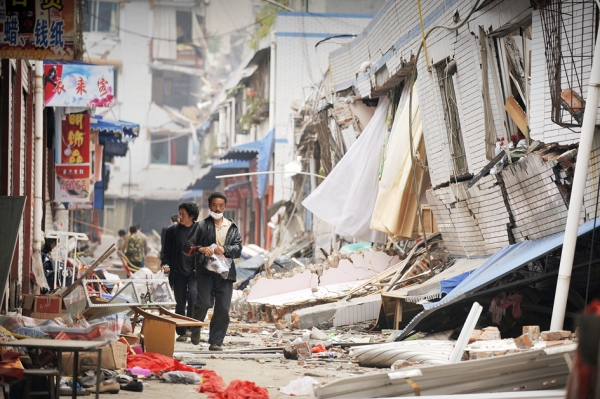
215, 229
180, 267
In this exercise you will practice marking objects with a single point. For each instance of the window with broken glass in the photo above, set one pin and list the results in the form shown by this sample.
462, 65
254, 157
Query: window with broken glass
100, 16
455, 139
513, 62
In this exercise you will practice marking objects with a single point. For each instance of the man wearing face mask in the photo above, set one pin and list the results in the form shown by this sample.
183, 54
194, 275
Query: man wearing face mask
222, 232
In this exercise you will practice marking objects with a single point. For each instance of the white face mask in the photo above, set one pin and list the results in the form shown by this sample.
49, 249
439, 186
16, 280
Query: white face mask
215, 215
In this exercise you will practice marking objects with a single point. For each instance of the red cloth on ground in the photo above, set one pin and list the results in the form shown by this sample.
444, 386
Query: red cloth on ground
160, 364
242, 390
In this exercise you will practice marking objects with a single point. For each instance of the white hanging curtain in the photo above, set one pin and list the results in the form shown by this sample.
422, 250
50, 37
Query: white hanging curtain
164, 43
345, 199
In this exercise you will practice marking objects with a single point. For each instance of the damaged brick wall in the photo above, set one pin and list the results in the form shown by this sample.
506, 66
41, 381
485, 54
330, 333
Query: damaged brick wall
472, 222
523, 202
591, 185
536, 204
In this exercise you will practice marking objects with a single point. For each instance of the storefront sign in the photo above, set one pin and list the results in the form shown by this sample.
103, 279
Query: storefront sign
72, 183
75, 141
77, 85
37, 29
74, 172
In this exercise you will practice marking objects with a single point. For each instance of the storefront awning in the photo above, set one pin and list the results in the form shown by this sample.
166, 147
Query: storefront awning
209, 180
113, 130
502, 263
245, 151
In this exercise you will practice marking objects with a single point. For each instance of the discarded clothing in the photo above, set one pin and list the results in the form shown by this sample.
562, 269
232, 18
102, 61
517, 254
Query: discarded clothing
501, 302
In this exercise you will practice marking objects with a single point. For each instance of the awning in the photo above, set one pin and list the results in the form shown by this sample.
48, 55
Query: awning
113, 130
232, 165
431, 289
191, 194
264, 159
209, 181
503, 262
245, 151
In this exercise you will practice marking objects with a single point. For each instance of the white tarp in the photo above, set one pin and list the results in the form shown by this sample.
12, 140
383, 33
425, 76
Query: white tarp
345, 199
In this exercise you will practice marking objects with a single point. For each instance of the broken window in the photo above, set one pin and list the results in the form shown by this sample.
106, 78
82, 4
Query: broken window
457, 147
513, 56
100, 16
169, 149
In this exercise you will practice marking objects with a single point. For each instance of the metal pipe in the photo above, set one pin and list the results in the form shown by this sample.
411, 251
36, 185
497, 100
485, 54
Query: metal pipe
269, 172
38, 177
576, 201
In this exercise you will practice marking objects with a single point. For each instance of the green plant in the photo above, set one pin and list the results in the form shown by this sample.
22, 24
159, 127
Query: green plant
265, 20
253, 112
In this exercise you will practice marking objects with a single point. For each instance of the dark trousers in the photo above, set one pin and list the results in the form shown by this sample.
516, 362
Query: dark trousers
184, 289
213, 289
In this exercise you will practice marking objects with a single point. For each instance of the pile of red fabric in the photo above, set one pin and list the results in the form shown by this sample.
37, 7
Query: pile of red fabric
213, 384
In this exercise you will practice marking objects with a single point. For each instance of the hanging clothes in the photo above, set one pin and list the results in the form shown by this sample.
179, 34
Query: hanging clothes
396, 204
345, 199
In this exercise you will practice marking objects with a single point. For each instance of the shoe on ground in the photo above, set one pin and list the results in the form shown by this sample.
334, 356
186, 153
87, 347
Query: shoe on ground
107, 386
134, 386
215, 347
181, 338
196, 338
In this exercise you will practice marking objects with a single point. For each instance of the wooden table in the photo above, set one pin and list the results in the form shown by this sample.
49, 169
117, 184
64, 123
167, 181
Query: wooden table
59, 346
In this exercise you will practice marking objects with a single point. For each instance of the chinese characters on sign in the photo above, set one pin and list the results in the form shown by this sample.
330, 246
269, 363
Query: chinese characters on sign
78, 85
74, 172
37, 29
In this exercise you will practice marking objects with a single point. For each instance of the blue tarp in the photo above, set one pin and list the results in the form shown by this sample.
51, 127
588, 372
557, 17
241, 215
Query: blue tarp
503, 262
232, 165
451, 283
264, 158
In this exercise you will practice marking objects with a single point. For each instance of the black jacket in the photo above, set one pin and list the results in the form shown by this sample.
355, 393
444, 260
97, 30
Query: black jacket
204, 235
175, 239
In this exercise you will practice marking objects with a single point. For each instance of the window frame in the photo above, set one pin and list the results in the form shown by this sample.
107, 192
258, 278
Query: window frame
454, 134
170, 139
93, 15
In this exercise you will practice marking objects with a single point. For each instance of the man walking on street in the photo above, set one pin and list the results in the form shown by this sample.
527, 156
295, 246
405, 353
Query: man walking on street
146, 247
134, 247
174, 220
180, 267
227, 239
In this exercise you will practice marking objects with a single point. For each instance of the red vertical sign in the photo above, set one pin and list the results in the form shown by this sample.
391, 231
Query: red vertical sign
73, 173
75, 143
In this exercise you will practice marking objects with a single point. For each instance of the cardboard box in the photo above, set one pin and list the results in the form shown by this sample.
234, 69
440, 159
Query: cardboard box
114, 356
42, 304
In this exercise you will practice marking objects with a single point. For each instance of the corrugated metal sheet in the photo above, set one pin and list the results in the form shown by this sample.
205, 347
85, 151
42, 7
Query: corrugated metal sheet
533, 370
503, 395
500, 264
428, 352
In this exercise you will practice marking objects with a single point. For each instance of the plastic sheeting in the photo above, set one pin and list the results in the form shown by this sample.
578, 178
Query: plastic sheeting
345, 199
396, 206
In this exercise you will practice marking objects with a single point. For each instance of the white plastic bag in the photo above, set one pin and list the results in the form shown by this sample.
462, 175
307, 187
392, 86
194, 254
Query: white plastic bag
300, 386
218, 264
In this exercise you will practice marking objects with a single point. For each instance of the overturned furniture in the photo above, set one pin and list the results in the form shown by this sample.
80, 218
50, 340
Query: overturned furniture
159, 328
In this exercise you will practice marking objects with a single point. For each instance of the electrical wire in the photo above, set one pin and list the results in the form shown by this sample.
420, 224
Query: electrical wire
119, 29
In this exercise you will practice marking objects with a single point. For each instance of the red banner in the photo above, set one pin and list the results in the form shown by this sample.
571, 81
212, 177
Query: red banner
75, 143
